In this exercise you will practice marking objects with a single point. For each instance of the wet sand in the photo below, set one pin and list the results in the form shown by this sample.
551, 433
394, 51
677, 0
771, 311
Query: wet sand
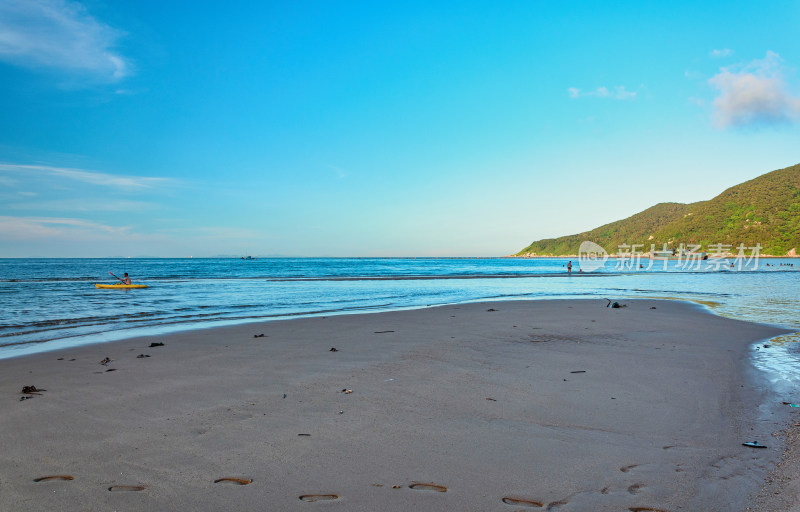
549, 405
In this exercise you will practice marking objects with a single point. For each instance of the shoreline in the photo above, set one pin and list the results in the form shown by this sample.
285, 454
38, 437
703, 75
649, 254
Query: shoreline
32, 347
550, 401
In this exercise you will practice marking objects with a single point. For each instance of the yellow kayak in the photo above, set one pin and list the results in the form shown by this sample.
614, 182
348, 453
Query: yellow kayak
120, 286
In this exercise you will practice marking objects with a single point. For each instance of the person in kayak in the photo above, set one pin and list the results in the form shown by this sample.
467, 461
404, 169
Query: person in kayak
125, 279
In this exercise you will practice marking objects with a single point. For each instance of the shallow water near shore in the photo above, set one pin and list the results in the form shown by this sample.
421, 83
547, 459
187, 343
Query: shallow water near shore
49, 304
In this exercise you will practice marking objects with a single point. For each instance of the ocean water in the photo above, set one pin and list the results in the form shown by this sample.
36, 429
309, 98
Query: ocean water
47, 304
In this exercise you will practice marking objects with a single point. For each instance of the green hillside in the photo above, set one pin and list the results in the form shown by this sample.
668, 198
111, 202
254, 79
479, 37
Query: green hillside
764, 210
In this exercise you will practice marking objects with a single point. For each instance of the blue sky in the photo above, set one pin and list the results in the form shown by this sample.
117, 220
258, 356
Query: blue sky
377, 128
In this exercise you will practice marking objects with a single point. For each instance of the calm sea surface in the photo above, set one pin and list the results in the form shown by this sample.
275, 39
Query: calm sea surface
47, 304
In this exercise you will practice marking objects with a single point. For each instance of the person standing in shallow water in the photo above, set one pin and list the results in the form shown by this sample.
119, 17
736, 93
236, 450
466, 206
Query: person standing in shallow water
569, 267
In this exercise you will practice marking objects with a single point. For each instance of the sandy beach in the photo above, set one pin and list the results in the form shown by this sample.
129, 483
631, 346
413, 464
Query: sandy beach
562, 405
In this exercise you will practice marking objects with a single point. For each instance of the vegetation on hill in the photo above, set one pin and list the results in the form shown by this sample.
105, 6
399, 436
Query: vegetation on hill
764, 210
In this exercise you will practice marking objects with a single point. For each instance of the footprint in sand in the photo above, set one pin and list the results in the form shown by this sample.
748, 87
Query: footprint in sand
126, 488
318, 497
54, 477
522, 502
625, 469
233, 480
554, 505
421, 486
634, 489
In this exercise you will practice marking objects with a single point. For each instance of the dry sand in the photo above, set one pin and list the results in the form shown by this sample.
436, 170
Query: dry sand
565, 404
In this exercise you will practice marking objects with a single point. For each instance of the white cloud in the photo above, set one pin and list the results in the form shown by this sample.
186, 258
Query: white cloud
81, 205
724, 52
754, 94
94, 178
619, 92
622, 94
32, 228
59, 34
23, 229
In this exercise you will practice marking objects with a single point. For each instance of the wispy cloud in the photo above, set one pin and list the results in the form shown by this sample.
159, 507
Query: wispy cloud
754, 94
81, 205
618, 92
59, 34
719, 54
94, 178
32, 228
